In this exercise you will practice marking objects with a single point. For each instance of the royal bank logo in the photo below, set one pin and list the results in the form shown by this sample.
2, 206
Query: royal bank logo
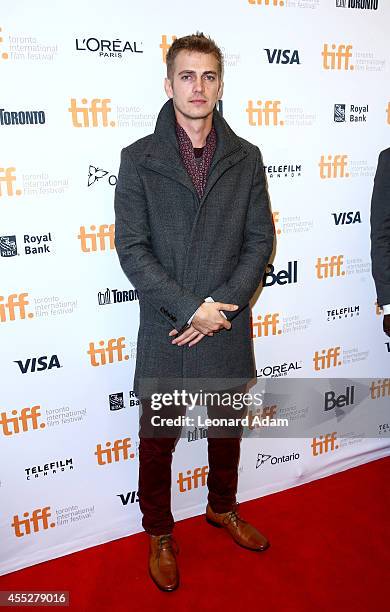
20, 117
95, 174
282, 56
264, 113
115, 296
108, 48
351, 114
8, 246
96, 113
116, 401
283, 171
337, 57
368, 5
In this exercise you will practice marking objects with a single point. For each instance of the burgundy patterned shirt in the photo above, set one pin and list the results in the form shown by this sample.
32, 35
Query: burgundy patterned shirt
197, 166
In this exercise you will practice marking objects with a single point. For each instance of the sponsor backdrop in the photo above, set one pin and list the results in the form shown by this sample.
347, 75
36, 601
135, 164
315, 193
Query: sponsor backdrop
306, 81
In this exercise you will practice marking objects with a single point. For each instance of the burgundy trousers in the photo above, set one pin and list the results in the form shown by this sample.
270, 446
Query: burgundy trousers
155, 465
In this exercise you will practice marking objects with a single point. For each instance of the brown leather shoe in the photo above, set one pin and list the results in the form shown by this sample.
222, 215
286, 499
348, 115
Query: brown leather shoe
162, 562
242, 532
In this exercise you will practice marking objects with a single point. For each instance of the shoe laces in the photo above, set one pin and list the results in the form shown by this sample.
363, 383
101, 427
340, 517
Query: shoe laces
162, 544
233, 516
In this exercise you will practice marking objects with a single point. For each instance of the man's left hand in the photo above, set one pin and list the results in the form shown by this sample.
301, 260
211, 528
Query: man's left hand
190, 336
386, 324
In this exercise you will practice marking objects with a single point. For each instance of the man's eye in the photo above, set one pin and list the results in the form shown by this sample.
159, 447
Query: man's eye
185, 77
210, 77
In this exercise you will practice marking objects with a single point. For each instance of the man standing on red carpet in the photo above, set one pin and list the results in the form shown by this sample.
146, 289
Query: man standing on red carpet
193, 233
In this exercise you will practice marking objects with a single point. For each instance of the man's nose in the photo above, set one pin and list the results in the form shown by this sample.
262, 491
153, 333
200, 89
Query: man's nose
198, 84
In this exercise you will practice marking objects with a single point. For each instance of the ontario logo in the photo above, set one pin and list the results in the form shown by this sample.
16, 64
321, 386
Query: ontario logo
95, 174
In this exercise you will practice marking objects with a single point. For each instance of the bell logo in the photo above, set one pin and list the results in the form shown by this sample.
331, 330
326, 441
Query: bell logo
105, 354
267, 2
327, 359
337, 59
388, 113
7, 176
114, 452
380, 388
267, 115
165, 46
15, 305
191, 481
95, 115
329, 267
28, 525
324, 444
264, 324
4, 55
333, 168
25, 421
89, 241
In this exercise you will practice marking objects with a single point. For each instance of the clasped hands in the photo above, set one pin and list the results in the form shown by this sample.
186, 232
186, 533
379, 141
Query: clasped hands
206, 322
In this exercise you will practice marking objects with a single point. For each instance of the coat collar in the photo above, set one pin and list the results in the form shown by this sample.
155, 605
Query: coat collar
163, 154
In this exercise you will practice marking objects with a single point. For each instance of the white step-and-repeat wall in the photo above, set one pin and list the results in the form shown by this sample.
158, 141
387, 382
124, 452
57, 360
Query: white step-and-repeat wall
305, 80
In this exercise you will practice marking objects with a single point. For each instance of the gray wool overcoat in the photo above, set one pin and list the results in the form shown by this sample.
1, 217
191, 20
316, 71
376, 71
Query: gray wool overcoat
177, 249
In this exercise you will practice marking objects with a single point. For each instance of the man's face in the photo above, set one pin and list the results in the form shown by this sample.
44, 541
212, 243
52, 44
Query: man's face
195, 86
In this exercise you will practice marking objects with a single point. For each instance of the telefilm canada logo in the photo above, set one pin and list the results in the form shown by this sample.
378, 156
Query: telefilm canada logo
108, 48
289, 170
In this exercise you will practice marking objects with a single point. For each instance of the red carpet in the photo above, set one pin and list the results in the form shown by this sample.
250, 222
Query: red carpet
330, 551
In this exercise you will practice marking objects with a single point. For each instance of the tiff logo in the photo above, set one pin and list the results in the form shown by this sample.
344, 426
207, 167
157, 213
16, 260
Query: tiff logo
95, 115
89, 241
326, 268
324, 444
165, 46
105, 354
113, 453
27, 420
337, 60
7, 176
28, 525
191, 481
327, 359
381, 388
333, 168
267, 115
266, 326
267, 2
14, 308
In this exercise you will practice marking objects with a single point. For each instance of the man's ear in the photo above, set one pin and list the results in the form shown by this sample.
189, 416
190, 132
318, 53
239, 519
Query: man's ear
168, 87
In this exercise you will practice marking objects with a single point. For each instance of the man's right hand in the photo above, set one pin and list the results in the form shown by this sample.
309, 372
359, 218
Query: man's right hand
208, 319
386, 324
